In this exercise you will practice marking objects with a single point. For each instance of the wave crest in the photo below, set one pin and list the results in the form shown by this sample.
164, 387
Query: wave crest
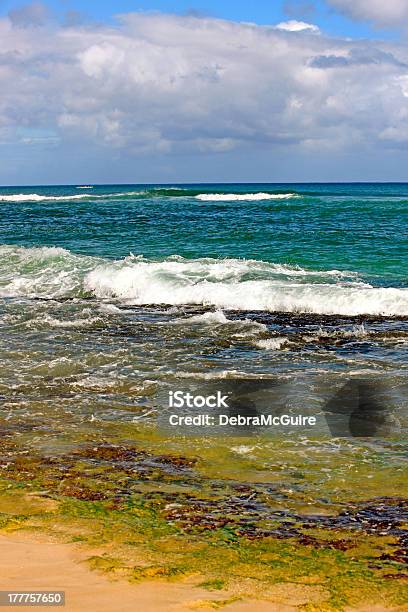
168, 192
36, 197
229, 284
232, 197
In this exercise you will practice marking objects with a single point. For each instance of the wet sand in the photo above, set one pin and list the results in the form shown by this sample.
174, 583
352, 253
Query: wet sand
32, 561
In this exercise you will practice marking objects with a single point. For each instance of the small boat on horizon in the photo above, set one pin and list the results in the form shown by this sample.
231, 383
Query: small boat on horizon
85, 187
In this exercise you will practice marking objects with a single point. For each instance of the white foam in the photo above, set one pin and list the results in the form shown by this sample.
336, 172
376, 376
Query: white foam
231, 197
243, 449
47, 272
271, 344
33, 253
357, 331
36, 197
239, 328
208, 318
109, 309
230, 284
80, 322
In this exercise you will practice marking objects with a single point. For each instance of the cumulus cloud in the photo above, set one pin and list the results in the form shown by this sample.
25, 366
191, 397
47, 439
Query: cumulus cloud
161, 84
297, 26
381, 12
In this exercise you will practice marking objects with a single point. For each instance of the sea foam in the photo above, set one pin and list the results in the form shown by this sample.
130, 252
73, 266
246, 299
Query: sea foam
169, 191
231, 197
242, 285
223, 284
36, 197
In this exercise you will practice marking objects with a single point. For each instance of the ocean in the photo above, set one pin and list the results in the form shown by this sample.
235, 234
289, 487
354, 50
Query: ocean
111, 292
281, 301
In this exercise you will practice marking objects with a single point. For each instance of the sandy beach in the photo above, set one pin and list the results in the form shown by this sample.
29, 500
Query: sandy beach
34, 562
37, 562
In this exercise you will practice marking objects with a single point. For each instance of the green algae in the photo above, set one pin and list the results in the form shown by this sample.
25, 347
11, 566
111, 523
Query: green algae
169, 509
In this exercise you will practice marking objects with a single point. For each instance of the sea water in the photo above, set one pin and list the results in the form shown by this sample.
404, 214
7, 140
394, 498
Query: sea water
108, 293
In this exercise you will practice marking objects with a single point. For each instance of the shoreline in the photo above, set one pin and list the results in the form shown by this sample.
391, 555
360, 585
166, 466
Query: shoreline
25, 564
112, 304
179, 526
261, 315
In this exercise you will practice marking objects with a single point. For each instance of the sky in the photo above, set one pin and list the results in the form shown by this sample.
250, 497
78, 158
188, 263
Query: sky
178, 91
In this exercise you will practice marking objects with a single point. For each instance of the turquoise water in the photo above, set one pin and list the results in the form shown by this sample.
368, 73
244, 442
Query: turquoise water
108, 292
357, 227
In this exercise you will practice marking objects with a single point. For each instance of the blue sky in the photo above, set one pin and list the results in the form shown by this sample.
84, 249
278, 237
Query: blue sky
179, 91
258, 11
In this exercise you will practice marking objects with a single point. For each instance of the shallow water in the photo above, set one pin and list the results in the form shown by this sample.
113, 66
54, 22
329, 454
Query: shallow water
113, 296
110, 294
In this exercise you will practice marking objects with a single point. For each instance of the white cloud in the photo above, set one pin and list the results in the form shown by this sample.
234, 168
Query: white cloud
164, 84
297, 26
381, 12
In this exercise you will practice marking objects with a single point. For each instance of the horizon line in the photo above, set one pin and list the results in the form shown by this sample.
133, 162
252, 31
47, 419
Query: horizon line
79, 184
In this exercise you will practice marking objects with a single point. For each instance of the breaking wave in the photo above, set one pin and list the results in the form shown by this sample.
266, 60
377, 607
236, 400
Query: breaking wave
230, 197
170, 192
36, 197
224, 284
